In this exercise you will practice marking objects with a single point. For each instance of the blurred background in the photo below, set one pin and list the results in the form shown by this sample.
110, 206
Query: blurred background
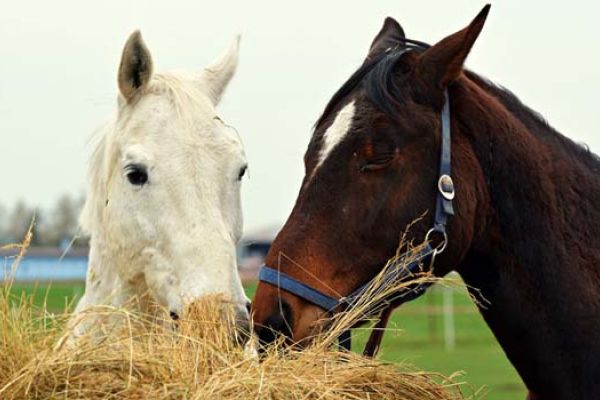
58, 63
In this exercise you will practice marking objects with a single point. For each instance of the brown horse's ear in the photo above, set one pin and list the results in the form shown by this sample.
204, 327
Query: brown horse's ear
390, 35
443, 62
135, 69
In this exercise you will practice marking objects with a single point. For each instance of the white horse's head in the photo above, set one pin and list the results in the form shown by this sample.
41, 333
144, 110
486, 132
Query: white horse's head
163, 209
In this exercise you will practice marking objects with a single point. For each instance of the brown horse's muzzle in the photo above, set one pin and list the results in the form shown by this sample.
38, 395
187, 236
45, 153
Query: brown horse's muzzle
279, 315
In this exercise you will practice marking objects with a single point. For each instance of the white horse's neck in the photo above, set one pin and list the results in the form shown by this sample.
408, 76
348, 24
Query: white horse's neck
107, 280
103, 284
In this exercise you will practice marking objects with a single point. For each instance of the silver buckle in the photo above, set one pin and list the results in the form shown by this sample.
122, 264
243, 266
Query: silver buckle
446, 187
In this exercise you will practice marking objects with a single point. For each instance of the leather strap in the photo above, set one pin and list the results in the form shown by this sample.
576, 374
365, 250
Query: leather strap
300, 289
444, 207
376, 336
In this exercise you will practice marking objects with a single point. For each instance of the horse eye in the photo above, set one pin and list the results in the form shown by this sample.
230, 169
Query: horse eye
242, 172
377, 154
375, 164
136, 175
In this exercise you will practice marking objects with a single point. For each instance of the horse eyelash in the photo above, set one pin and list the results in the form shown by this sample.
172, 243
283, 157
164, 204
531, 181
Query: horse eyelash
242, 172
137, 169
375, 164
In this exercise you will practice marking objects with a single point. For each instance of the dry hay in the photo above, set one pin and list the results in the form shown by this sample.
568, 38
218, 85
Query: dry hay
197, 360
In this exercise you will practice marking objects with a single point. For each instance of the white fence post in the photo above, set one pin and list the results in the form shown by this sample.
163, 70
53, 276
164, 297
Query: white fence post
448, 308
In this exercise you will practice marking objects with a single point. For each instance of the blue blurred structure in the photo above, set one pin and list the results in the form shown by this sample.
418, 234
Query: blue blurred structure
70, 264
45, 264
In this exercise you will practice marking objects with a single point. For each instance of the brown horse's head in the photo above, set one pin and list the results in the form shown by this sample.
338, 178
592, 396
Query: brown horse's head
371, 170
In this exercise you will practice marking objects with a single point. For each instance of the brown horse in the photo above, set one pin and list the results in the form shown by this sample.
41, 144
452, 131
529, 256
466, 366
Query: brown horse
526, 229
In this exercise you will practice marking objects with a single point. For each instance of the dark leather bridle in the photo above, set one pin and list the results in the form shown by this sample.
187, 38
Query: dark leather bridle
400, 270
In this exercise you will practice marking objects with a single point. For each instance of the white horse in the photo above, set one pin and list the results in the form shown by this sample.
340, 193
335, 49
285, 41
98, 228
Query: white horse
163, 205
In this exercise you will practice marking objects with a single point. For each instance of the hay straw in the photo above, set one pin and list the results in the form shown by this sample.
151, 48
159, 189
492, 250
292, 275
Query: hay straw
197, 359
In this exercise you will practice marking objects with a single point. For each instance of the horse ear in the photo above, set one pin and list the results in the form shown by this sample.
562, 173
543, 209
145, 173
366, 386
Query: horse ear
390, 35
135, 69
443, 62
216, 76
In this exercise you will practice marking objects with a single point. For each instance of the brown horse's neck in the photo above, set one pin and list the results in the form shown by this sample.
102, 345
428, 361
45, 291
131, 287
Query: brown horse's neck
538, 259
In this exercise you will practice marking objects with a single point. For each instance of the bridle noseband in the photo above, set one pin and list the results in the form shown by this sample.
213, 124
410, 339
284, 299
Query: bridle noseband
400, 271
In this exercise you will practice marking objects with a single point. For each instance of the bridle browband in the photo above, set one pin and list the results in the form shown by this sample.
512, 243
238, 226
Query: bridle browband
400, 270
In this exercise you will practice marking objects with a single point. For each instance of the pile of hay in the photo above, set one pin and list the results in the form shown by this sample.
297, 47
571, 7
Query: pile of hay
196, 360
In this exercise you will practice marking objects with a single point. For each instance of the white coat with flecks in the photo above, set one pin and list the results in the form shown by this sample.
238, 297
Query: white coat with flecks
163, 206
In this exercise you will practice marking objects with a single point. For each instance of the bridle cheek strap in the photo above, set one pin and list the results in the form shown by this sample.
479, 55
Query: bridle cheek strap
444, 208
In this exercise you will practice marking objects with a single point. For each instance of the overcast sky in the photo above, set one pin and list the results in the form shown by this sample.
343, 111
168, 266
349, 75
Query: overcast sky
58, 62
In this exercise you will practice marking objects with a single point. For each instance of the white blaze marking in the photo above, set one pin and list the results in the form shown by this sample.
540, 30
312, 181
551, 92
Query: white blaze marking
336, 132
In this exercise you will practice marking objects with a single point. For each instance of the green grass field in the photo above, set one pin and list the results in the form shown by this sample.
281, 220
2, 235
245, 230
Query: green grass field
416, 337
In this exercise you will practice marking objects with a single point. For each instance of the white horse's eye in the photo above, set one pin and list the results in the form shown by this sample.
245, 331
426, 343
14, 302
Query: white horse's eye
137, 175
242, 172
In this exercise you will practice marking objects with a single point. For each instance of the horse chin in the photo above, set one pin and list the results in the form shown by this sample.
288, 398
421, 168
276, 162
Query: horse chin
243, 329
312, 332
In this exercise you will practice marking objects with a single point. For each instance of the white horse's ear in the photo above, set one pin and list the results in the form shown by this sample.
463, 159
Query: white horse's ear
135, 69
216, 76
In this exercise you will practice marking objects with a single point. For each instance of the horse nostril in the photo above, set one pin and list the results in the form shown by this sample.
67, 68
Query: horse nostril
174, 316
276, 325
248, 307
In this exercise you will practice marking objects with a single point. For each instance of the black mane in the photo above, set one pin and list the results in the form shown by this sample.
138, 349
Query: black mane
377, 77
537, 123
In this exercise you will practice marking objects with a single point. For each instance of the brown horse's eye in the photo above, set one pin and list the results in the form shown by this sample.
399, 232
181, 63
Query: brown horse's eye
375, 165
376, 155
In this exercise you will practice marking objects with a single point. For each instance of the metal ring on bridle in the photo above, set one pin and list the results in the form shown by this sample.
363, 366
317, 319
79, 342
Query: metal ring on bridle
442, 245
